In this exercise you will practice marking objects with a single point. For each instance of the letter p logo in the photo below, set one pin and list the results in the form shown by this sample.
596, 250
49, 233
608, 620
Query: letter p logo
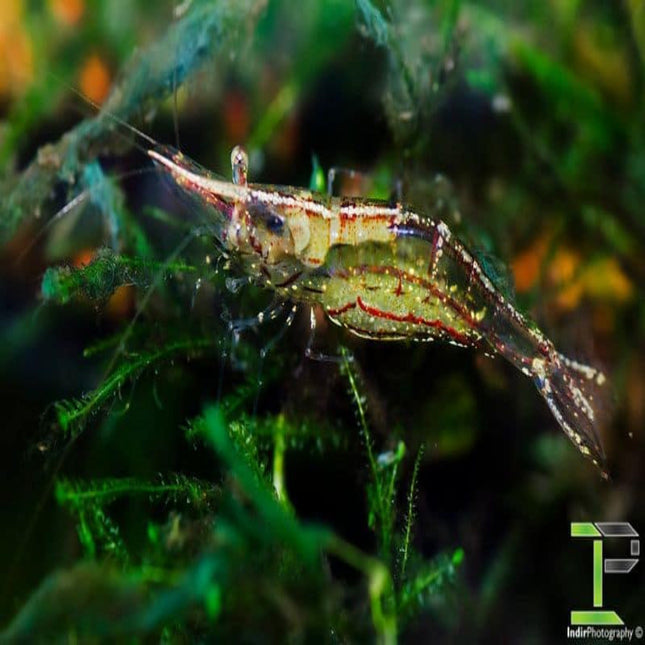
597, 531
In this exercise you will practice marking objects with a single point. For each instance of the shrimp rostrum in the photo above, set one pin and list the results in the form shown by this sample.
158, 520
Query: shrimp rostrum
383, 272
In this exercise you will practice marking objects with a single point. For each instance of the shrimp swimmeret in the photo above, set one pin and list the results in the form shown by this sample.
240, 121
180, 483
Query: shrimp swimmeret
384, 272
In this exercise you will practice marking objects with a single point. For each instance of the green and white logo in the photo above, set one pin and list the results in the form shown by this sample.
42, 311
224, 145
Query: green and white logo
597, 532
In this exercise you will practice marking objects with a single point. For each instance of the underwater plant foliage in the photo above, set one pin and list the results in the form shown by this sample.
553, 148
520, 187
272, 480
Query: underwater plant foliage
177, 472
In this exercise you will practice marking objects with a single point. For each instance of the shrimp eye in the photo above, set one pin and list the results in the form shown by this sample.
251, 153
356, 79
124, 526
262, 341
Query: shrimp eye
260, 212
275, 223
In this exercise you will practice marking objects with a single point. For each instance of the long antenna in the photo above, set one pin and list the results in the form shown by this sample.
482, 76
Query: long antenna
119, 120
103, 111
175, 117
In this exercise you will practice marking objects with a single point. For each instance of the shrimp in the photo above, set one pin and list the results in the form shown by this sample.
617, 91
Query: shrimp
383, 272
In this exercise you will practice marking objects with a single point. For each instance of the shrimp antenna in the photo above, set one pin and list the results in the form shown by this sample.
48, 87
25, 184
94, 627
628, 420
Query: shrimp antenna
101, 110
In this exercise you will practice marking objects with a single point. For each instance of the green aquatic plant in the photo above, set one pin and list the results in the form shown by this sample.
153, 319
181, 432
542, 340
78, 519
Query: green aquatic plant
72, 414
216, 534
97, 281
415, 586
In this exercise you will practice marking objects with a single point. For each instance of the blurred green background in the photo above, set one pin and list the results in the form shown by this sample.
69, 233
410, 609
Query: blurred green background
165, 479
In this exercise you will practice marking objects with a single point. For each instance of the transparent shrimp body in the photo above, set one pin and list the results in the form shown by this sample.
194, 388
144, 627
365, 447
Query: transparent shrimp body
386, 273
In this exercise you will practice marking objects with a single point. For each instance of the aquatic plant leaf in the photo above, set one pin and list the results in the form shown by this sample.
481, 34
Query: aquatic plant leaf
637, 15
406, 537
381, 491
284, 528
72, 413
419, 68
280, 528
427, 582
176, 487
102, 601
98, 280
97, 532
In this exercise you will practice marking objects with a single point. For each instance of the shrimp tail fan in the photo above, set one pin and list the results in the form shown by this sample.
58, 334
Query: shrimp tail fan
576, 396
